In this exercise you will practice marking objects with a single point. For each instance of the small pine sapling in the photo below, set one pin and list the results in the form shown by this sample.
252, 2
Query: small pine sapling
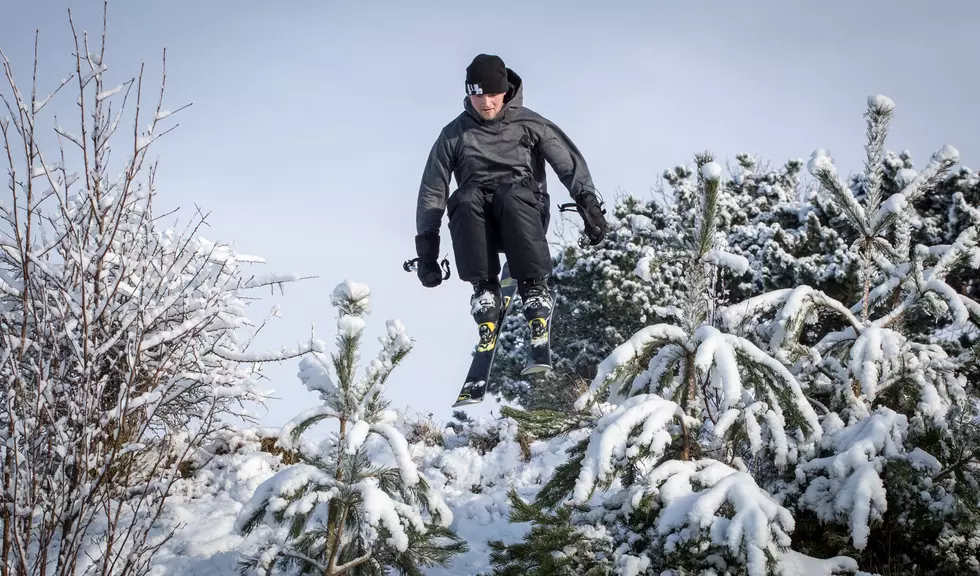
355, 503
893, 387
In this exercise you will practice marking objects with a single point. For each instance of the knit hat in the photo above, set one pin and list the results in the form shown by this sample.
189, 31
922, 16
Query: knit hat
486, 75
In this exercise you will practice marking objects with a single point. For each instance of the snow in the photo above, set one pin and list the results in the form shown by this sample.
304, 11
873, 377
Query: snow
694, 495
290, 480
849, 483
380, 509
905, 175
40, 104
883, 104
204, 510
613, 439
300, 349
794, 563
895, 204
948, 153
658, 368
108, 93
821, 161
640, 223
631, 565
399, 447
356, 436
268, 279
348, 290
222, 493
41, 170
626, 353
944, 157
960, 313
711, 171
293, 426
714, 348
725, 421
734, 314
144, 142
872, 348
351, 326
925, 460
314, 373
736, 263
644, 268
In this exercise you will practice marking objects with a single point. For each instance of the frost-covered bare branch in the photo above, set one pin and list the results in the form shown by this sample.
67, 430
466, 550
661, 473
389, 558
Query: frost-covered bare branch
109, 327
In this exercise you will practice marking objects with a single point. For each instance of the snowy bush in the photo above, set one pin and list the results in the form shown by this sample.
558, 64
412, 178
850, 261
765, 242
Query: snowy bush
121, 343
355, 502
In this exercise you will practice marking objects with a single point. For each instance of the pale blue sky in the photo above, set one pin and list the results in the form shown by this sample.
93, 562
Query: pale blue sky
311, 121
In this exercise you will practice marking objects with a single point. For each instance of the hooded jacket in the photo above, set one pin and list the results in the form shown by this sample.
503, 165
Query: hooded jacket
512, 148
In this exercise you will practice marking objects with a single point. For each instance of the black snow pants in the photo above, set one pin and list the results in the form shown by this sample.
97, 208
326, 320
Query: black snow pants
512, 219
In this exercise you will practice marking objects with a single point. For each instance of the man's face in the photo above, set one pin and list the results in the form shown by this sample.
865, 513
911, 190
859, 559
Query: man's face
487, 105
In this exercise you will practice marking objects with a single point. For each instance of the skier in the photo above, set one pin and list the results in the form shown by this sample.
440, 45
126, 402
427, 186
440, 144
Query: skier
496, 149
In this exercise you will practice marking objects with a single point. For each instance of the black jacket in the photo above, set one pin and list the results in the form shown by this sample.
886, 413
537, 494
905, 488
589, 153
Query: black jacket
510, 149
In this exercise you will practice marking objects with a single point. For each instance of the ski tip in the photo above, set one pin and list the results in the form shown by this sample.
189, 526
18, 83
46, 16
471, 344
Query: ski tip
467, 402
466, 396
536, 369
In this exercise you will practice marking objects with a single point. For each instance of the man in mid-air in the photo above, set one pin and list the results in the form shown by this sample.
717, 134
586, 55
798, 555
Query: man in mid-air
497, 149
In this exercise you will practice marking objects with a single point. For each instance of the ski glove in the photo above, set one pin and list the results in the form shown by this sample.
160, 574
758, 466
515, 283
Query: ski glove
594, 216
427, 248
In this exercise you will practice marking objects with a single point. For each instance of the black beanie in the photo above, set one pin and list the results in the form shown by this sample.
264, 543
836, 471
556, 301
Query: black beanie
486, 75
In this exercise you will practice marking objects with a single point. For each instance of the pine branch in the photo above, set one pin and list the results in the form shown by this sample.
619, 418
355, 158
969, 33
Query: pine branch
543, 424
305, 559
879, 116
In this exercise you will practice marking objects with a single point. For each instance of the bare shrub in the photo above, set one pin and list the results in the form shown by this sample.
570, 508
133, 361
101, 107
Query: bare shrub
121, 346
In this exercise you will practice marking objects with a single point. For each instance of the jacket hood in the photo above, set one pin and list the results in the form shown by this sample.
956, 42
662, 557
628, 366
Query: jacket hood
512, 101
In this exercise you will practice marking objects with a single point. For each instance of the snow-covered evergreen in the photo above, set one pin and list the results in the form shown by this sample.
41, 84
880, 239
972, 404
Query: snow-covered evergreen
354, 503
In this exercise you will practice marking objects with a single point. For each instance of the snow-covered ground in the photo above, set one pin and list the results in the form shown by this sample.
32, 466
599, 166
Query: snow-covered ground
473, 478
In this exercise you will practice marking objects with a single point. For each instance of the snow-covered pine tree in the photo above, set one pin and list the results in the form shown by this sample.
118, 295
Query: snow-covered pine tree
895, 482
711, 375
689, 423
355, 502
121, 343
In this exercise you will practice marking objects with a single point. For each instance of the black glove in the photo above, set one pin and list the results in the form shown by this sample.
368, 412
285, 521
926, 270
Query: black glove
427, 248
593, 215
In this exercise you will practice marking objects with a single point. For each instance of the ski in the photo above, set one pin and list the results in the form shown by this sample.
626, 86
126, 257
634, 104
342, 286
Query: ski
539, 350
475, 386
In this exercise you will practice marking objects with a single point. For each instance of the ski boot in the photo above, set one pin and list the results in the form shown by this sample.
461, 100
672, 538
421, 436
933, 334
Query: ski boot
485, 305
538, 307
